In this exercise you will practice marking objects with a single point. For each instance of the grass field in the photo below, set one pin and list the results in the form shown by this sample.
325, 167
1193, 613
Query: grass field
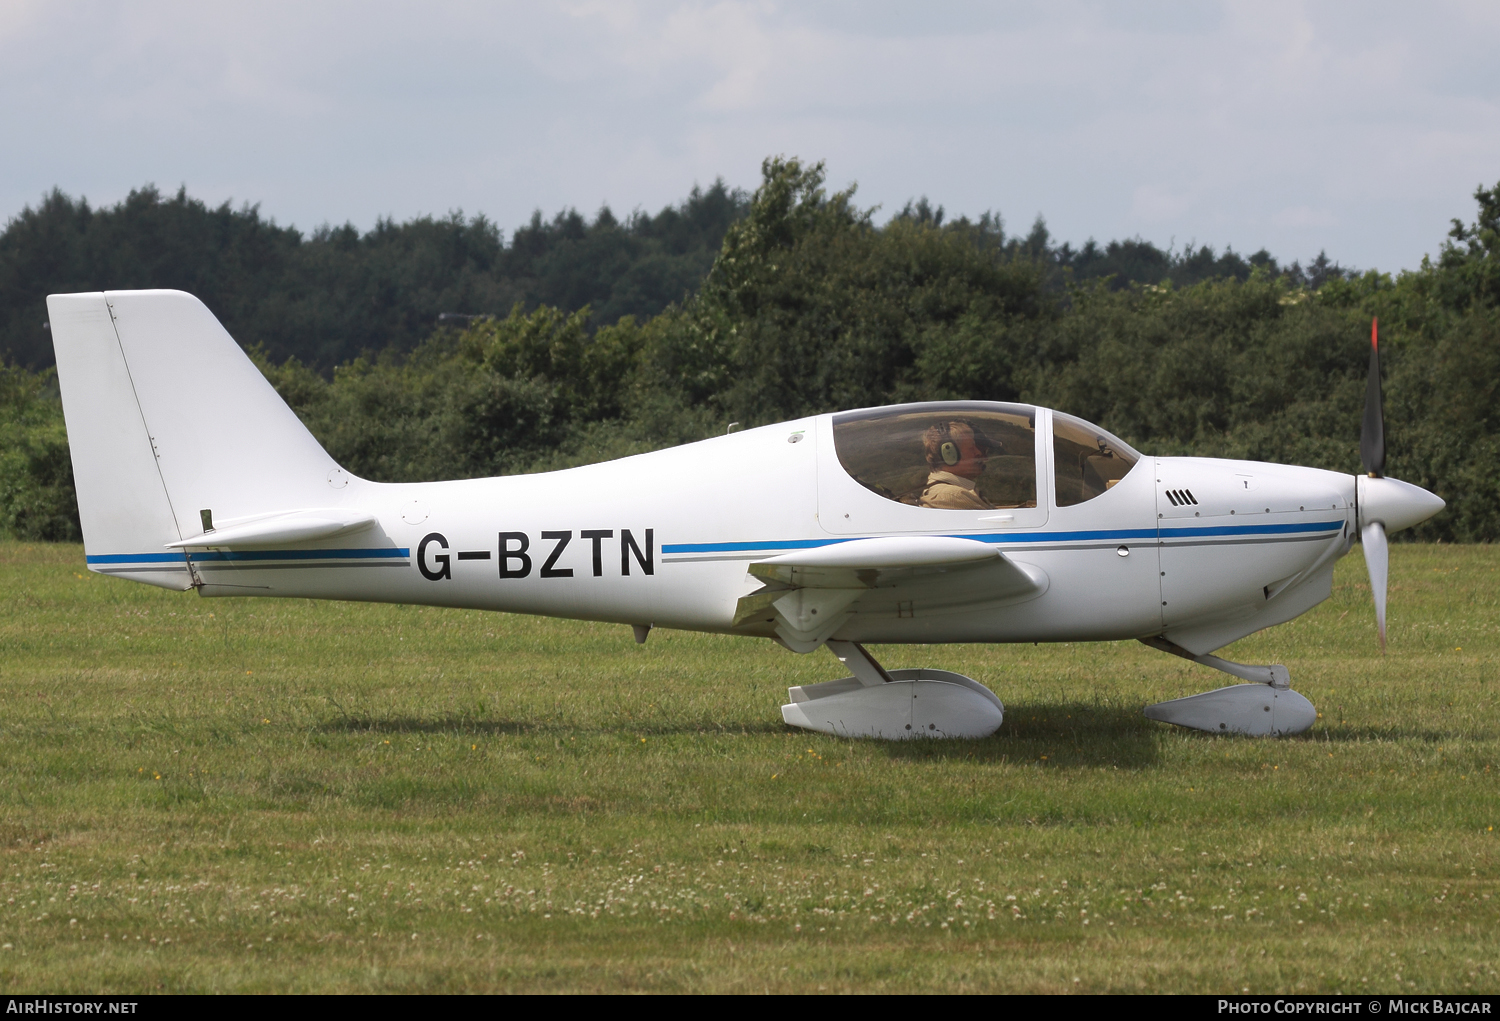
217, 795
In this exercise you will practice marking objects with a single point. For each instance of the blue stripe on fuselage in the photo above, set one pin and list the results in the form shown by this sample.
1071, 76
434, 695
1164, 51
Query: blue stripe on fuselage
251, 555
767, 546
1112, 535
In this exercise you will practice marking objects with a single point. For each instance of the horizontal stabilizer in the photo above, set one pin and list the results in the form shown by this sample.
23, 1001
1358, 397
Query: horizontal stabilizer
283, 529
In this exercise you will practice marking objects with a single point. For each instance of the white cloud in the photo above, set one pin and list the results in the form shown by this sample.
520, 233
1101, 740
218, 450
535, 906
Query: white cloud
1359, 128
17, 17
1154, 204
1303, 216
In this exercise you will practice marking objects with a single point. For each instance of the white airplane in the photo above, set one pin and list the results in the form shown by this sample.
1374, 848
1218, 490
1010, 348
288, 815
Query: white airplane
920, 523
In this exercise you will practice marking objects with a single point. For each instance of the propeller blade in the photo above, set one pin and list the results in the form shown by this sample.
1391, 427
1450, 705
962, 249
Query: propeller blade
1372, 433
1378, 561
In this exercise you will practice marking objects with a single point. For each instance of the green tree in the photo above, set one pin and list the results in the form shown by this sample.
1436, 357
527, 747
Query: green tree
501, 396
810, 307
1469, 266
335, 294
37, 500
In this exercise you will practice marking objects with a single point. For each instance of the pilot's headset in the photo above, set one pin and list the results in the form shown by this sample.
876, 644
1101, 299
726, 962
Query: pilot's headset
948, 448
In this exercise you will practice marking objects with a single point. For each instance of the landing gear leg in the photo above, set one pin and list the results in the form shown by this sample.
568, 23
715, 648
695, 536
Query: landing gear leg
1265, 707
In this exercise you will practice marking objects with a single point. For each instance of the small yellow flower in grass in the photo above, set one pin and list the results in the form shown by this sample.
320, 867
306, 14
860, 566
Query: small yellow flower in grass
643, 740
473, 747
265, 721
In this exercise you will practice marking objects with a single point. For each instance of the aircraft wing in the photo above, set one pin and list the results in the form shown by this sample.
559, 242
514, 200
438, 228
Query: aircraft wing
808, 594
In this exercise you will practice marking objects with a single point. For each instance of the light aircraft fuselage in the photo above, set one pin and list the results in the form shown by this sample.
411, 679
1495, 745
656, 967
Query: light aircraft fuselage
664, 539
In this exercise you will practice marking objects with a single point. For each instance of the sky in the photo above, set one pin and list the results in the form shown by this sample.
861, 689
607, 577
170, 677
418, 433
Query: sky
1356, 128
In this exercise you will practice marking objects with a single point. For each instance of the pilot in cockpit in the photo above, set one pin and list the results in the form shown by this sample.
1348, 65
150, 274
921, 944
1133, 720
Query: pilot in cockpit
956, 455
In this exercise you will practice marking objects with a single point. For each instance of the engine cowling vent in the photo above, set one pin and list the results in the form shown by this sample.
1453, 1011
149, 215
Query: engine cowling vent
1182, 497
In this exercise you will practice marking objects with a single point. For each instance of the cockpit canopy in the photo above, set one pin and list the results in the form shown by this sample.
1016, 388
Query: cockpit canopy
1086, 460
974, 455
955, 456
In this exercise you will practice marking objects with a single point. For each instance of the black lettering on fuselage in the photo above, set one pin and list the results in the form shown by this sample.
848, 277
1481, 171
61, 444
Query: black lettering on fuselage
598, 535
519, 553
444, 568
628, 546
548, 571
515, 557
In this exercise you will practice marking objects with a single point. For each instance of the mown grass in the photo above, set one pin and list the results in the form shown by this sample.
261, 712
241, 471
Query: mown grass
218, 795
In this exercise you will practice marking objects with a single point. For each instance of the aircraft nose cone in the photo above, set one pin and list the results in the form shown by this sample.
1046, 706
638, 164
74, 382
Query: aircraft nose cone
1394, 503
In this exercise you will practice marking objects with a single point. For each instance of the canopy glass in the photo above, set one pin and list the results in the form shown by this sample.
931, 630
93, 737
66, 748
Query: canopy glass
1087, 461
951, 456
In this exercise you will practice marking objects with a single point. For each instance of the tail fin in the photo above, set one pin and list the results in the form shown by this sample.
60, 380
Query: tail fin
173, 431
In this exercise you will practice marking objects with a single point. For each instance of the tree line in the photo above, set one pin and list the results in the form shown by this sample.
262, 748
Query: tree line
335, 293
808, 305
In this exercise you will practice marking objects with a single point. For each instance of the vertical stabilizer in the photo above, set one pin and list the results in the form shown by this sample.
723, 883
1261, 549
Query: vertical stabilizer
167, 419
